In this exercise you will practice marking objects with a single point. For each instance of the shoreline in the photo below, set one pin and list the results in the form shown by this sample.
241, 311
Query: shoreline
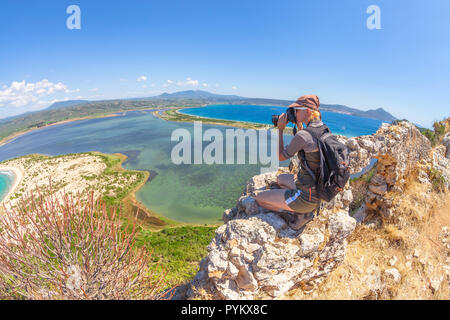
163, 221
237, 121
214, 121
18, 177
131, 200
14, 135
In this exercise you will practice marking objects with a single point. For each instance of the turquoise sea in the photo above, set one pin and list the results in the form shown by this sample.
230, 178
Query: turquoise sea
193, 193
342, 124
6, 181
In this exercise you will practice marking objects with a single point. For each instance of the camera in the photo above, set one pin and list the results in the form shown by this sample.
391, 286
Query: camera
290, 112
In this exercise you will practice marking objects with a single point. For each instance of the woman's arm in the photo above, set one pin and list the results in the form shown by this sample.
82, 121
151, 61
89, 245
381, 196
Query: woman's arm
281, 156
282, 121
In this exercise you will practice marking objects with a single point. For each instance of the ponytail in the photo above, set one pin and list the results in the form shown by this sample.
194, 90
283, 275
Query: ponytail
315, 114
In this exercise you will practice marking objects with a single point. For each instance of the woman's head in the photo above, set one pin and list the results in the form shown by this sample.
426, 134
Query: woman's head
307, 108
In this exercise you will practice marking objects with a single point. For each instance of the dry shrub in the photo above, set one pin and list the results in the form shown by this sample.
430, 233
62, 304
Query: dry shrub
64, 247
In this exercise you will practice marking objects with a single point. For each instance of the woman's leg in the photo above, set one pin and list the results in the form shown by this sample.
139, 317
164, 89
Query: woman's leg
286, 181
273, 200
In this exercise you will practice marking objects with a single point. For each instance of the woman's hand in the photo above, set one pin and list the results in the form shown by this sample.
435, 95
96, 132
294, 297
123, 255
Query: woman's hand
282, 122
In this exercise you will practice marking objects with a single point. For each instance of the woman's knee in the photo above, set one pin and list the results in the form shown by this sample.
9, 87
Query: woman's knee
286, 180
282, 178
258, 198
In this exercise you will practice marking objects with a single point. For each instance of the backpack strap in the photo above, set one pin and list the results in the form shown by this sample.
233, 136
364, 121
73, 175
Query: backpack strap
305, 163
318, 133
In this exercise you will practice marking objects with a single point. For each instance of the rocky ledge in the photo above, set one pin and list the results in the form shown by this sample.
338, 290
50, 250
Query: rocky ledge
255, 254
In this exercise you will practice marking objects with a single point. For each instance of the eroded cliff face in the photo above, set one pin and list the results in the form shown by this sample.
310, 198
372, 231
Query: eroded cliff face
255, 254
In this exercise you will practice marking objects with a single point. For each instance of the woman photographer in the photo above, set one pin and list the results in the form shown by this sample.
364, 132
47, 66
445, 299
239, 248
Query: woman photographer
298, 194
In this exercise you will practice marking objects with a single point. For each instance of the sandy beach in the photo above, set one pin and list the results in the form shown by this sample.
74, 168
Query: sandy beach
18, 176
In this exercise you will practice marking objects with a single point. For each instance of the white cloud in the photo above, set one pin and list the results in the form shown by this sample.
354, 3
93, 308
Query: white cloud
188, 82
21, 94
72, 91
234, 87
142, 78
93, 90
168, 83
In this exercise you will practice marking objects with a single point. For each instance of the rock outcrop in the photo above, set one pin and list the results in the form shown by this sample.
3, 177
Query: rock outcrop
255, 254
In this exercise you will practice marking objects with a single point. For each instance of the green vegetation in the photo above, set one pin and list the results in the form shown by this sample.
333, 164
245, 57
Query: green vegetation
79, 246
173, 115
366, 177
360, 186
437, 180
440, 128
178, 250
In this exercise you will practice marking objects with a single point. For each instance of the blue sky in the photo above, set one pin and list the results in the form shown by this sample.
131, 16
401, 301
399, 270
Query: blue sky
269, 49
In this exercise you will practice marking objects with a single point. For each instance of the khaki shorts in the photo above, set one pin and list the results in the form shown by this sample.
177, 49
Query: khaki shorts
296, 199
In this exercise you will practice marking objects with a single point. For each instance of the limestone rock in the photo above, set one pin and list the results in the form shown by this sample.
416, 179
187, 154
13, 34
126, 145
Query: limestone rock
256, 254
442, 164
446, 143
373, 280
392, 275
360, 214
393, 261
248, 204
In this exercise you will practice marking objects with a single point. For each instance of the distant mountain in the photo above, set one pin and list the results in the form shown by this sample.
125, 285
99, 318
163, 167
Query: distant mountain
205, 97
379, 113
196, 94
65, 104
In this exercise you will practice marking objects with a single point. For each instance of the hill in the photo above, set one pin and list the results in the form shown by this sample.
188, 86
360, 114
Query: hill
64, 104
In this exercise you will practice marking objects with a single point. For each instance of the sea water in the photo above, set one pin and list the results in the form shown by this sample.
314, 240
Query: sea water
6, 181
338, 123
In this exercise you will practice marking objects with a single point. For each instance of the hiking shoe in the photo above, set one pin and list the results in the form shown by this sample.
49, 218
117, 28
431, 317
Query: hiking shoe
287, 216
273, 185
301, 221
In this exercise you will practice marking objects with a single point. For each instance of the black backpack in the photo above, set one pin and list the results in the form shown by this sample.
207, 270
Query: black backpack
334, 163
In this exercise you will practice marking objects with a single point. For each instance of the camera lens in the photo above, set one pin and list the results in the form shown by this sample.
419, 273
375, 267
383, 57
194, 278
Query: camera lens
291, 115
275, 119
